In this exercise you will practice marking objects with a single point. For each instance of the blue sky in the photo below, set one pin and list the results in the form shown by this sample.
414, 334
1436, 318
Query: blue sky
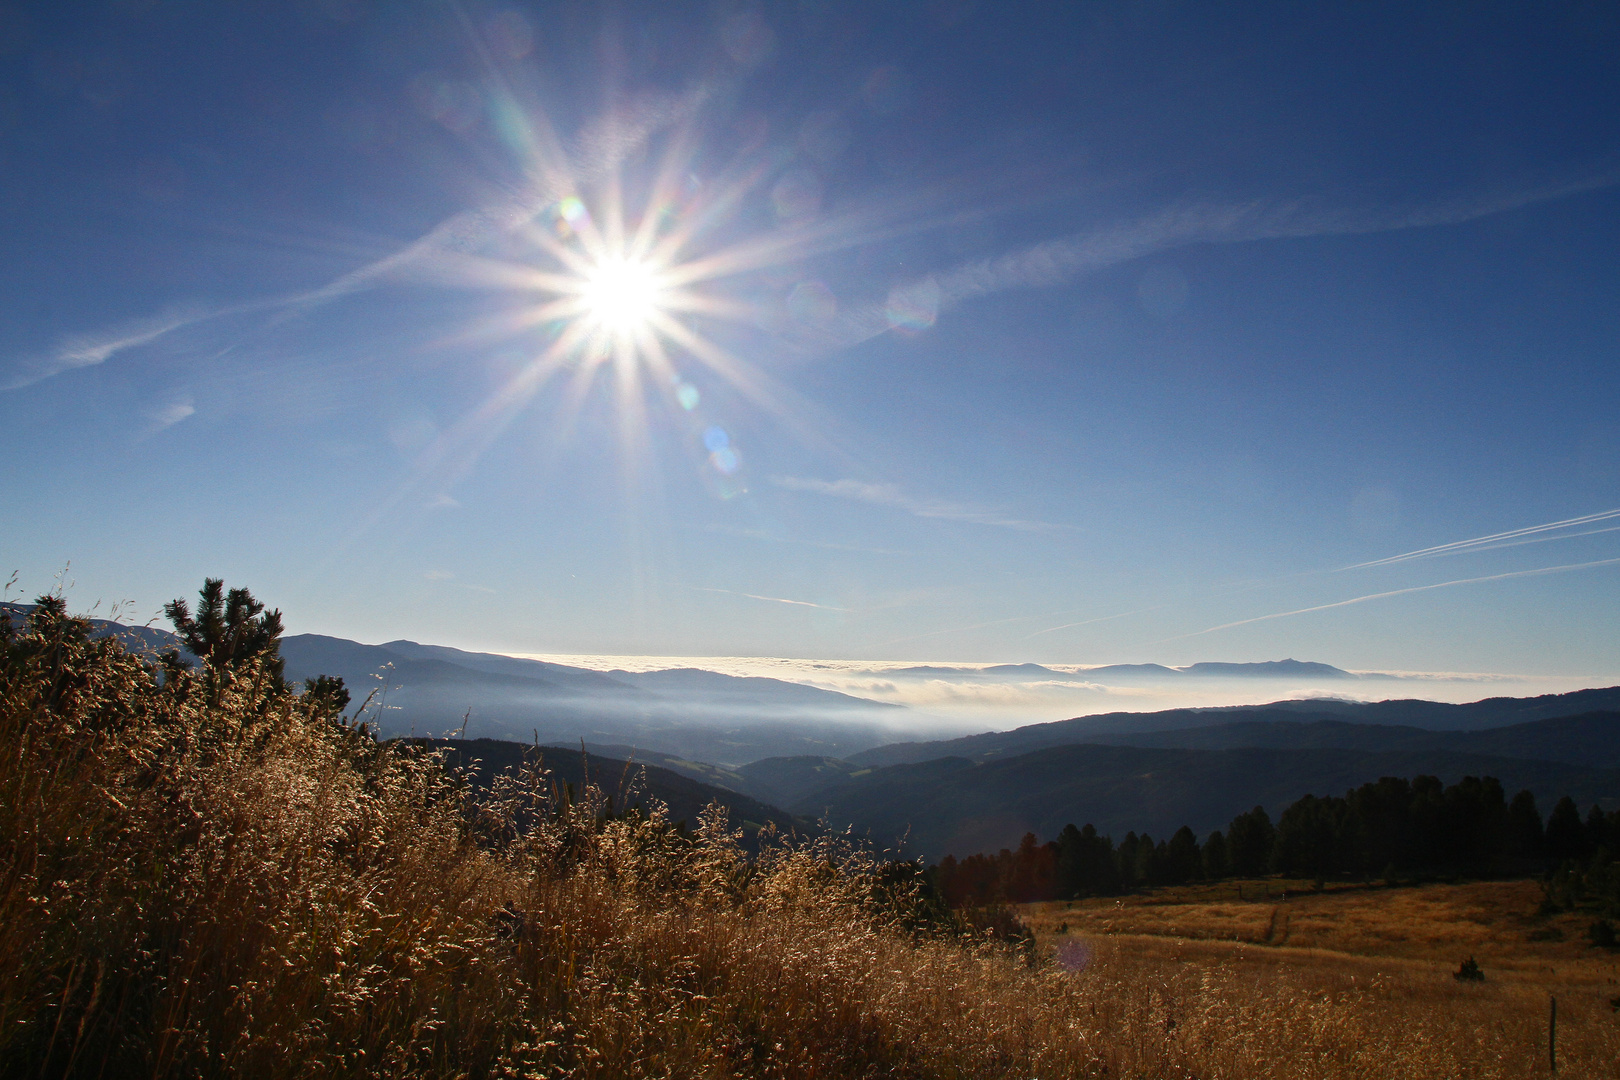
1073, 333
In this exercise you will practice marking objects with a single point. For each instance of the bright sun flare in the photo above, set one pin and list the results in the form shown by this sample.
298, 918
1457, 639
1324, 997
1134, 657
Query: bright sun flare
621, 296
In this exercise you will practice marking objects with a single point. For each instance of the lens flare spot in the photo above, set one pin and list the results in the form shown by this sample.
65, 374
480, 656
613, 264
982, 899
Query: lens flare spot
688, 396
725, 460
715, 440
797, 195
812, 302
914, 306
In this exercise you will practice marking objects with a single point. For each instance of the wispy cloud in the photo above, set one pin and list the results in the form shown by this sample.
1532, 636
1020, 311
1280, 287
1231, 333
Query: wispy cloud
1089, 622
1178, 226
891, 496
448, 578
1532, 534
1054, 261
1402, 592
88, 350
772, 599
441, 255
828, 545
167, 416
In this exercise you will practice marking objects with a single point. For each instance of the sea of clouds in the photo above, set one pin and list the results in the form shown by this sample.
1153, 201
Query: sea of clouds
979, 696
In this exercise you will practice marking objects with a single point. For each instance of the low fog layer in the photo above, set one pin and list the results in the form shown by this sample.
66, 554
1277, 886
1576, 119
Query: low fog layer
977, 696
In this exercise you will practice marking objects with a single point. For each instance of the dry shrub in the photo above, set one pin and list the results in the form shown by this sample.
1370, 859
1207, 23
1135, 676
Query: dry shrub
203, 876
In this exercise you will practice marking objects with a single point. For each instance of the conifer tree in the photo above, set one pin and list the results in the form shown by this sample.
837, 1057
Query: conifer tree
230, 629
1249, 839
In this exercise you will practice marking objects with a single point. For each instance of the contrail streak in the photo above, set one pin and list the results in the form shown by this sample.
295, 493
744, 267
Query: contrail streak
1494, 540
1403, 592
775, 599
1088, 622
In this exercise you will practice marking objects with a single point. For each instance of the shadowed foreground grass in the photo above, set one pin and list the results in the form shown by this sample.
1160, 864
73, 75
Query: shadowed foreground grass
202, 876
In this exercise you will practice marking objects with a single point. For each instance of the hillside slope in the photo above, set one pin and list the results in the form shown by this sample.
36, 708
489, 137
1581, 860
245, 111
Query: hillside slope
630, 784
952, 805
1591, 739
1473, 716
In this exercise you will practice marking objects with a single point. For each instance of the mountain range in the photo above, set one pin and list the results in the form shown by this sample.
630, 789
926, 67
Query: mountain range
705, 715
784, 753
1142, 674
1123, 727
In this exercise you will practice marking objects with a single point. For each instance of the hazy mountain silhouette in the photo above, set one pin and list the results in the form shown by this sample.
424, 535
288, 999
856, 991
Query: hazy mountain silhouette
1591, 739
1127, 727
1143, 674
701, 716
146, 640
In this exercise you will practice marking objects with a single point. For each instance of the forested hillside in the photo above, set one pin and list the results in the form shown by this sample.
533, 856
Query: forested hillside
953, 805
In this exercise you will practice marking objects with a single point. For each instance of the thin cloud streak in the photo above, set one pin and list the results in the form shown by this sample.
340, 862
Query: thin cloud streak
1054, 261
168, 416
1402, 592
761, 534
1012, 619
774, 599
88, 350
891, 496
1089, 622
438, 256
1496, 540
954, 630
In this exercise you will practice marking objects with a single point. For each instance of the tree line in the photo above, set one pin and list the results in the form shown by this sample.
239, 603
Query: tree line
1393, 827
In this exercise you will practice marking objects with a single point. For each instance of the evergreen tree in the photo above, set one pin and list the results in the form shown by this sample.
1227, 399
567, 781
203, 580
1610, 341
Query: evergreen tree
1217, 858
229, 630
1384, 811
1566, 836
327, 693
1183, 861
1524, 831
1427, 817
1250, 838
1315, 837
1600, 831
1476, 823
1086, 863
1128, 856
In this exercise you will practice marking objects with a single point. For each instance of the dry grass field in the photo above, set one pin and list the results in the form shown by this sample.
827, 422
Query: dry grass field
1286, 981
203, 876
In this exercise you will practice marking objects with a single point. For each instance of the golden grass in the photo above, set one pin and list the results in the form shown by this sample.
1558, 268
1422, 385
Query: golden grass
202, 880
1373, 965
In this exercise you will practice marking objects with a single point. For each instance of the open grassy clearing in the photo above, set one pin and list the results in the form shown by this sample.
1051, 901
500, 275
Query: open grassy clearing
1378, 960
1495, 921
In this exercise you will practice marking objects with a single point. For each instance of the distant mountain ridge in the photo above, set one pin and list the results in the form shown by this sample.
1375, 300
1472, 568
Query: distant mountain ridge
148, 640
1123, 726
695, 714
784, 753
1139, 674
1590, 739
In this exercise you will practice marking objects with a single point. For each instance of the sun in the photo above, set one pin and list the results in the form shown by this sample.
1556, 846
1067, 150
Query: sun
622, 296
